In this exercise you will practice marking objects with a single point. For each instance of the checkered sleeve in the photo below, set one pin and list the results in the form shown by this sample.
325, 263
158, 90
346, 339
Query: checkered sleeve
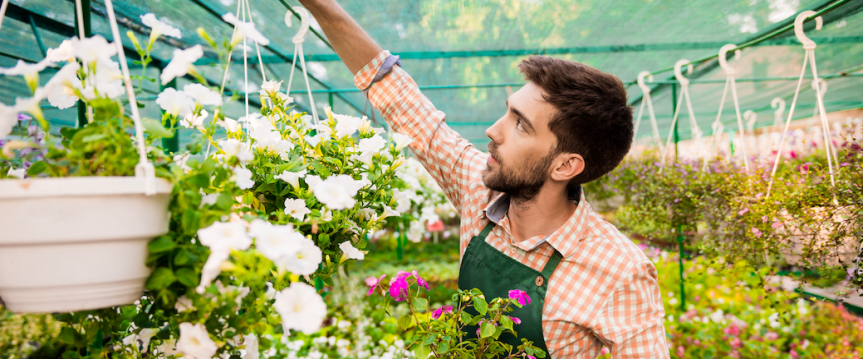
631, 322
448, 157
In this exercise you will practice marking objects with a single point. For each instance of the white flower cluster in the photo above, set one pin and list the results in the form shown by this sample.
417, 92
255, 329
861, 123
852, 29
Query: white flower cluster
430, 204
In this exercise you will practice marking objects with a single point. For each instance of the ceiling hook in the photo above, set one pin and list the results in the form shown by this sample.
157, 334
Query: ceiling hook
808, 44
779, 104
823, 86
300, 37
723, 62
641, 84
679, 75
750, 117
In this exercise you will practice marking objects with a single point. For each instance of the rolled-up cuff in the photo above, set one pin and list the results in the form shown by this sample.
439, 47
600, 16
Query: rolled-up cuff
366, 75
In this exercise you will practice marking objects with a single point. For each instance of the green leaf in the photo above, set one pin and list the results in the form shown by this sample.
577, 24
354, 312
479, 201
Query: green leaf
68, 335
182, 257
465, 318
160, 279
497, 332
68, 132
37, 168
323, 239
156, 129
422, 351
506, 322
161, 244
421, 304
94, 137
486, 329
187, 277
480, 305
443, 348
404, 321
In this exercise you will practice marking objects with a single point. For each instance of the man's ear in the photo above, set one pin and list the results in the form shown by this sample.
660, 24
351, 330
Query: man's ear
567, 165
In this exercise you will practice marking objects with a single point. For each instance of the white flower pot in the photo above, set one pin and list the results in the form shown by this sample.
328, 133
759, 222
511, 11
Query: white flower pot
819, 233
77, 243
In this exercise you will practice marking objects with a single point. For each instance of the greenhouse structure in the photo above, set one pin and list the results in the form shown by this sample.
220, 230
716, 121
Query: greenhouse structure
252, 179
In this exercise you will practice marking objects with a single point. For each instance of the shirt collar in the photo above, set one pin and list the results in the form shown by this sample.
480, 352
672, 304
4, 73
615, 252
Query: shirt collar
562, 238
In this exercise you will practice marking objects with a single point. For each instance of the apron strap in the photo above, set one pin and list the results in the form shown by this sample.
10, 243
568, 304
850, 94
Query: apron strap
486, 230
551, 265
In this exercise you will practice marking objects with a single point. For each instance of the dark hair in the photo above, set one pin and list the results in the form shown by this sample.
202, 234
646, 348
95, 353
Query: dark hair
592, 117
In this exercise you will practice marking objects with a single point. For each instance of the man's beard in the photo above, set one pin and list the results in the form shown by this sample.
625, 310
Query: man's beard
523, 184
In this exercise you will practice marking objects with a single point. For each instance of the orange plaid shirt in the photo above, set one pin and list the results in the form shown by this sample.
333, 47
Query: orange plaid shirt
604, 292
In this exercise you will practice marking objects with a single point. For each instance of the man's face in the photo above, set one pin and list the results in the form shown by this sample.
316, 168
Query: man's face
521, 146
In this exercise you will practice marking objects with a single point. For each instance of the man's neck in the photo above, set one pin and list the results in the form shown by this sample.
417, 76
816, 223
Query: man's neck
541, 216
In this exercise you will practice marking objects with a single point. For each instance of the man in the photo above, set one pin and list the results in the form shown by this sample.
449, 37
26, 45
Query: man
525, 223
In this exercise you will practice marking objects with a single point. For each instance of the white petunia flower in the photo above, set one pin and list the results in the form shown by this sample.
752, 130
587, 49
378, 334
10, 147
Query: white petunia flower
194, 121
389, 212
225, 236
296, 208
301, 308
159, 27
203, 95
243, 178
351, 252
61, 87
195, 341
94, 48
251, 343
25, 69
183, 304
143, 336
306, 260
181, 63
337, 192
416, 231
327, 216
108, 80
291, 177
401, 141
175, 103
275, 242
230, 125
17, 173
64, 52
209, 199
346, 125
271, 292
244, 30
365, 158
371, 145
403, 199
312, 181
233, 147
271, 86
8, 119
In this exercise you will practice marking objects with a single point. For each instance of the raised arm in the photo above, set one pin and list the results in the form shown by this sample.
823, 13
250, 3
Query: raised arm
353, 45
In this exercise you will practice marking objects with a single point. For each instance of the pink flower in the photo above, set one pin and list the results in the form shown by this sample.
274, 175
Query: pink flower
733, 330
515, 320
794, 354
399, 287
604, 351
531, 357
776, 225
440, 311
756, 232
421, 282
743, 211
736, 343
519, 295
680, 351
373, 283
771, 336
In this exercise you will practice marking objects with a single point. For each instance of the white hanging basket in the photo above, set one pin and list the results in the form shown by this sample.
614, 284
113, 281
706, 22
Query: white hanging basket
78, 243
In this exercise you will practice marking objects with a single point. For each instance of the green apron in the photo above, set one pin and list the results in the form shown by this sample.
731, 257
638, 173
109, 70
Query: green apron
495, 274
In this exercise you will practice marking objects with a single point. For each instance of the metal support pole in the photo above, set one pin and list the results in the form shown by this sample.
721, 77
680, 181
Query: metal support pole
38, 36
171, 144
673, 108
331, 101
680, 238
86, 11
400, 245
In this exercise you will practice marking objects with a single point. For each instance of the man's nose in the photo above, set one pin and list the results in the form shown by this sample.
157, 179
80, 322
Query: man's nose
493, 132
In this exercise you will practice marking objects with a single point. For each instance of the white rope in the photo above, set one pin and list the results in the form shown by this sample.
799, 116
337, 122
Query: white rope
3, 11
242, 17
298, 40
144, 168
684, 95
732, 84
809, 48
649, 101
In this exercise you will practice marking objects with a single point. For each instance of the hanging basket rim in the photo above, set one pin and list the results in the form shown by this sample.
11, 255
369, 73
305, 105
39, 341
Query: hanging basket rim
78, 186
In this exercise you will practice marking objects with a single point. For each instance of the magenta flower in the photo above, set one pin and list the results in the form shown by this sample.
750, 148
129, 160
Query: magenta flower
519, 295
531, 357
743, 211
756, 232
515, 320
736, 343
421, 282
440, 311
733, 330
399, 287
373, 283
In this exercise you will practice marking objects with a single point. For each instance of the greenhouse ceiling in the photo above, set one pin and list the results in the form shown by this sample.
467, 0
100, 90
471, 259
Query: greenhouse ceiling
465, 53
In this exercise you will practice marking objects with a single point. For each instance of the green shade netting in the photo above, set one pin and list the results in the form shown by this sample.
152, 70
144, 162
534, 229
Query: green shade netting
620, 37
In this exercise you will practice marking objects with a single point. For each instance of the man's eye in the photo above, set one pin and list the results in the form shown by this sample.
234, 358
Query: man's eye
518, 125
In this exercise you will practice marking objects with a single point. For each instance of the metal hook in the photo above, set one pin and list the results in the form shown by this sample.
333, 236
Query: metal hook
300, 37
723, 62
808, 44
823, 86
750, 117
779, 104
641, 84
677, 73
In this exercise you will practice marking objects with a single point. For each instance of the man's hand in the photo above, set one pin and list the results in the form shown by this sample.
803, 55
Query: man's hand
353, 45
